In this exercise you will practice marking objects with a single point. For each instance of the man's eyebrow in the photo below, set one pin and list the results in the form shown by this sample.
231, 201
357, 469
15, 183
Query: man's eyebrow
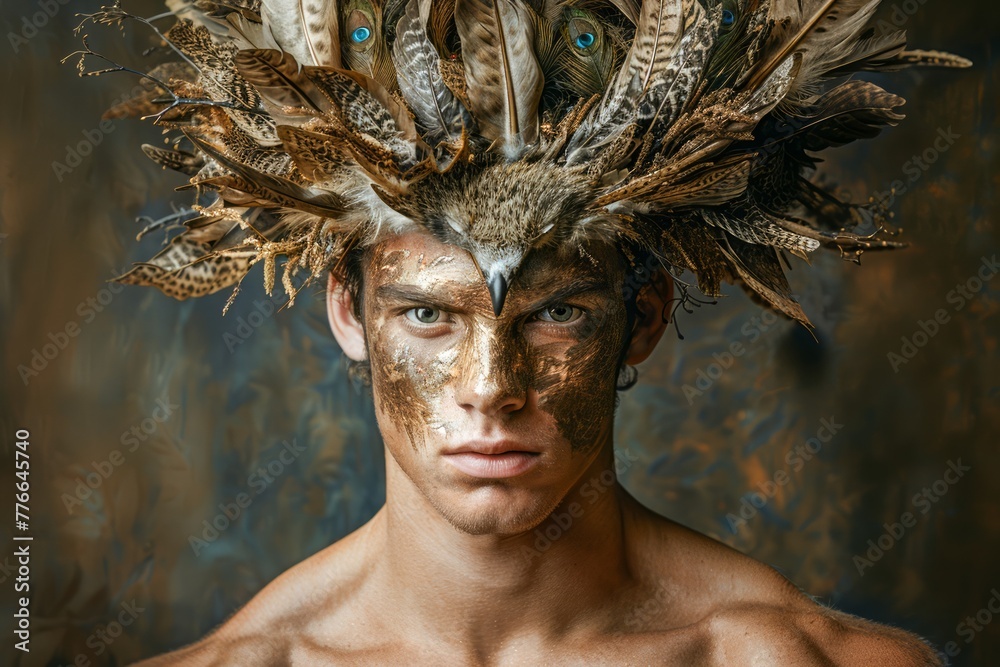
414, 294
575, 288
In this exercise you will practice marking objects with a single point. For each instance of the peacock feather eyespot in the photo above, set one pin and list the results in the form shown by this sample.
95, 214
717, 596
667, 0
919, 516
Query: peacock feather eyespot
728, 18
361, 35
581, 32
361, 26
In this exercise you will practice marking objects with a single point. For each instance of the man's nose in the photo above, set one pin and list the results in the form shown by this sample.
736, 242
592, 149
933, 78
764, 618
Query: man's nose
493, 373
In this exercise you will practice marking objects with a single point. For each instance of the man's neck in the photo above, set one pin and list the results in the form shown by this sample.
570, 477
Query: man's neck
484, 591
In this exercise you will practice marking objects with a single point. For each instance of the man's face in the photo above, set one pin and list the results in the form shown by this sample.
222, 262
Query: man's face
536, 383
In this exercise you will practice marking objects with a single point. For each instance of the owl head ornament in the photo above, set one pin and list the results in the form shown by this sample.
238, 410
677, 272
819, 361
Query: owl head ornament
685, 130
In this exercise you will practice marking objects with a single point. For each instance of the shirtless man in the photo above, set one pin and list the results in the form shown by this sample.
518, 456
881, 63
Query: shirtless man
494, 427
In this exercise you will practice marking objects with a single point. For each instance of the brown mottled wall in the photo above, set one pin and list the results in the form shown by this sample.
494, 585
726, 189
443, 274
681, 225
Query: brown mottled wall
863, 466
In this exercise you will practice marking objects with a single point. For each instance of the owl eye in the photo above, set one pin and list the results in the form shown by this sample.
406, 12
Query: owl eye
423, 315
728, 18
560, 313
361, 35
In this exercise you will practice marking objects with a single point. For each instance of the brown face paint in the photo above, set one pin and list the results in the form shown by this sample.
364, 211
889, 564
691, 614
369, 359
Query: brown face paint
403, 384
426, 385
577, 385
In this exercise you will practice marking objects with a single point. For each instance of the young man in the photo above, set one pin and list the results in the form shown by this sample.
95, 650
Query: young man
494, 427
484, 180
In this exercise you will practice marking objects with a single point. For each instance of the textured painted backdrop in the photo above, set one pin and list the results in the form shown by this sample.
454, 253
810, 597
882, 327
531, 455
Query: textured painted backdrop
211, 399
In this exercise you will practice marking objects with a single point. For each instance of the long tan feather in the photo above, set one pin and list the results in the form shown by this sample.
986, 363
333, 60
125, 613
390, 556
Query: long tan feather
271, 188
933, 59
280, 80
504, 80
657, 36
418, 65
308, 29
352, 90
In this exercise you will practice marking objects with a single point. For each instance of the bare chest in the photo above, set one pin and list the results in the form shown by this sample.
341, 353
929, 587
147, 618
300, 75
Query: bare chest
667, 649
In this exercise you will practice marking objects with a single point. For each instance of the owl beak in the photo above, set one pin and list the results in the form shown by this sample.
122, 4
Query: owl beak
498, 292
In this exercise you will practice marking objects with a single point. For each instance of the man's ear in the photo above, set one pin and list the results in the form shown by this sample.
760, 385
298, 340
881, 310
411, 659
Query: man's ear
346, 328
651, 318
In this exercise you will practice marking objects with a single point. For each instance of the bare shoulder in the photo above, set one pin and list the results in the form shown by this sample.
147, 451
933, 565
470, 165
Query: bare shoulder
278, 626
741, 611
809, 634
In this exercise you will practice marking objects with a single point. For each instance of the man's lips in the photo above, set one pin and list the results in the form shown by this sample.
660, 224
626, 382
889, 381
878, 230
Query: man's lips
496, 460
491, 447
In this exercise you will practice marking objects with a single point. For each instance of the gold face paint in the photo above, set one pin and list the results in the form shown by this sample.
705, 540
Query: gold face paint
470, 374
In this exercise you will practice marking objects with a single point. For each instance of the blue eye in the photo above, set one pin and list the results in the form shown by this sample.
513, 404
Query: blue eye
585, 40
728, 18
361, 35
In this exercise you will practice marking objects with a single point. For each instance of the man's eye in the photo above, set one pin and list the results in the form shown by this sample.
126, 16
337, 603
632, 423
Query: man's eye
423, 315
560, 313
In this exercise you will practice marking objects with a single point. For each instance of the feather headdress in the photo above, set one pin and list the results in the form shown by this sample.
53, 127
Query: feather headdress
685, 127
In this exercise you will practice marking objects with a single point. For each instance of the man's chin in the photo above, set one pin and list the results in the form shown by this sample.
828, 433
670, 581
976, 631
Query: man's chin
494, 510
